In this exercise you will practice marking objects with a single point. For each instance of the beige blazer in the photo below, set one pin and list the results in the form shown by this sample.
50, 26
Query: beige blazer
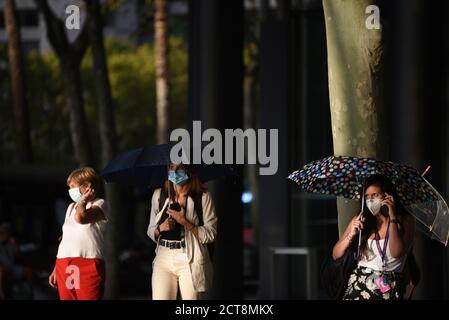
196, 249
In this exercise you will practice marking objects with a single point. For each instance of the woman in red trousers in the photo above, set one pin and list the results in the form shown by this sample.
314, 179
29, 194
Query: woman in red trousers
79, 273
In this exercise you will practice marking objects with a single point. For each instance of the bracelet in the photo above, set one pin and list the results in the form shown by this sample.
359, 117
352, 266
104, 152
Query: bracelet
191, 228
395, 221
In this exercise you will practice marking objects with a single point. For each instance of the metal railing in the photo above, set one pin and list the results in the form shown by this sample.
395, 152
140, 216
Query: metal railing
311, 268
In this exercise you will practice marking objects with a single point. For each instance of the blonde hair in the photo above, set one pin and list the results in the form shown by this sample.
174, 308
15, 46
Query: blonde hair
84, 175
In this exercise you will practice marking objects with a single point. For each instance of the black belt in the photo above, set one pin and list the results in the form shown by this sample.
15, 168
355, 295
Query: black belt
172, 244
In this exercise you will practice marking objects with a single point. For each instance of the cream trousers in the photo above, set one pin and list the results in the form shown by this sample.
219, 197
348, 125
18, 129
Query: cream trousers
170, 271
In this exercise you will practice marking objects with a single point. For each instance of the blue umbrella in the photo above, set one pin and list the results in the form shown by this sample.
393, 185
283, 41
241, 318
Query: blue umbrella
147, 167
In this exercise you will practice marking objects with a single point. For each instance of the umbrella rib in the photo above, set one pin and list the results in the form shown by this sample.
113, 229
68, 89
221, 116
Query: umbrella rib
441, 198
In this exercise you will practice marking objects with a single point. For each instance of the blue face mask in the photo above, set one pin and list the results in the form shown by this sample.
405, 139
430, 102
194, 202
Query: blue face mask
178, 177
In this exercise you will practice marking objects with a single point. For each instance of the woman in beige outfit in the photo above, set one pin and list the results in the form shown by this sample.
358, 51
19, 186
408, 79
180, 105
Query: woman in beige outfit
181, 236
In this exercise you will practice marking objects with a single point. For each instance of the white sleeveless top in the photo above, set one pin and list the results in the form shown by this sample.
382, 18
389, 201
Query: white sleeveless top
82, 240
372, 258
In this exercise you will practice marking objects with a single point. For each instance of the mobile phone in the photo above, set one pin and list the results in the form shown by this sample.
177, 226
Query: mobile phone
175, 206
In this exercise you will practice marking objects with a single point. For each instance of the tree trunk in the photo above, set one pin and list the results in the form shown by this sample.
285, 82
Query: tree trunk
108, 134
161, 68
355, 68
70, 72
216, 84
18, 82
251, 104
108, 139
250, 121
70, 56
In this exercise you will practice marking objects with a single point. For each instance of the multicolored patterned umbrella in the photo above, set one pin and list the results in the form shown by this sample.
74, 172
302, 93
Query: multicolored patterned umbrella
344, 176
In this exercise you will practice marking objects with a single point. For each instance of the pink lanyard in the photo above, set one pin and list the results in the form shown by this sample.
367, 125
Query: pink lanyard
383, 252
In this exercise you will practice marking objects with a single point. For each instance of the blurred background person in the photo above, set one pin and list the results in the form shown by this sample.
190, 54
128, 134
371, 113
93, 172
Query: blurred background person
12, 272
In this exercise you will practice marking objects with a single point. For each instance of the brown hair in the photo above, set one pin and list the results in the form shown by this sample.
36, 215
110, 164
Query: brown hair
194, 185
370, 224
84, 175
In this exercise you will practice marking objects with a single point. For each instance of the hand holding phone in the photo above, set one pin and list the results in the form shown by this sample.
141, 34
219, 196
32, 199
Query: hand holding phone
177, 213
175, 206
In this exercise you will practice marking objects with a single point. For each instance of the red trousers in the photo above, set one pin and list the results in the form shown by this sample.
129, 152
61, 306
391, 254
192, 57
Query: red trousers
80, 278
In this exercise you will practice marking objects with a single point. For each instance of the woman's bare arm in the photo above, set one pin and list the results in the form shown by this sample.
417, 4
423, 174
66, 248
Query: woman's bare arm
347, 237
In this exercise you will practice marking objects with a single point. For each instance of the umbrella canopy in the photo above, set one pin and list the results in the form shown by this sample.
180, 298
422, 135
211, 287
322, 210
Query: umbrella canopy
147, 167
344, 176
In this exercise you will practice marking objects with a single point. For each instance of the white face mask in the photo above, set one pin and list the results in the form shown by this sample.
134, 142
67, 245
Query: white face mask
75, 194
374, 206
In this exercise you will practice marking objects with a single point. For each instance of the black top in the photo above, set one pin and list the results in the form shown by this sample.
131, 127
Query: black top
174, 234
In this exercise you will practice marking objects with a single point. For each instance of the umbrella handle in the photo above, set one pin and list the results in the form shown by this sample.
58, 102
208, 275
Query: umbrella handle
360, 242
360, 217
425, 171
360, 238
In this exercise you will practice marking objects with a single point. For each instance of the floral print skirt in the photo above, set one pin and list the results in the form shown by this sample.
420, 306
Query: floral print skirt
362, 285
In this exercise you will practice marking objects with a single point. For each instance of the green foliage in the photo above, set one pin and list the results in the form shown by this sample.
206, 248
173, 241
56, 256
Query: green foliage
132, 78
178, 61
131, 74
49, 115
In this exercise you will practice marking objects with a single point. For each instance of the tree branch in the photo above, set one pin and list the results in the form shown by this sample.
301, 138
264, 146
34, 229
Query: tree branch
80, 45
55, 28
